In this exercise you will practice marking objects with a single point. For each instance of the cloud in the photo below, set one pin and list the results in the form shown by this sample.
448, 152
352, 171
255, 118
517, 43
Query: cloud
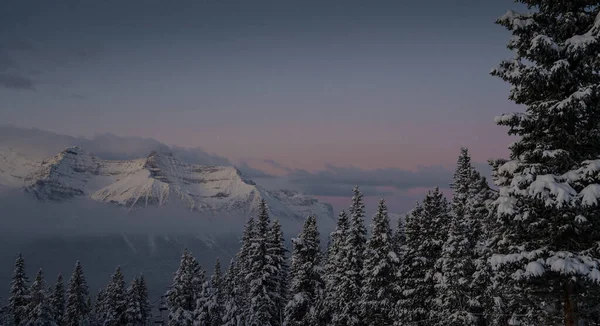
336, 177
11, 75
23, 62
15, 81
41, 144
278, 165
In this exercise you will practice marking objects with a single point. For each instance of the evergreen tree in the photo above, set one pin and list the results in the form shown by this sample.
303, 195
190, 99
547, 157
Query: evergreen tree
100, 308
379, 272
57, 300
546, 265
77, 310
201, 313
425, 233
232, 315
183, 295
355, 247
243, 267
262, 310
307, 281
453, 304
277, 253
38, 309
133, 311
19, 293
210, 306
335, 268
400, 237
116, 300
145, 307
478, 208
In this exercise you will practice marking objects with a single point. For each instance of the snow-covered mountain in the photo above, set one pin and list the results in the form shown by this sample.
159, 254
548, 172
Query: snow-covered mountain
156, 180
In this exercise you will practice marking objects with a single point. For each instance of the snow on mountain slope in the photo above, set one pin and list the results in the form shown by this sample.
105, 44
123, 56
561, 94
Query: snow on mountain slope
13, 167
156, 180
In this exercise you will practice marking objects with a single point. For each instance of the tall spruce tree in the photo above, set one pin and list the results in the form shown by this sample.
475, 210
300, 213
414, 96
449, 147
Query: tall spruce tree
243, 267
133, 308
379, 272
426, 231
355, 248
546, 263
262, 309
19, 293
38, 309
453, 304
57, 300
77, 310
184, 292
210, 304
400, 237
145, 306
335, 300
306, 276
232, 315
99, 312
277, 253
116, 300
478, 208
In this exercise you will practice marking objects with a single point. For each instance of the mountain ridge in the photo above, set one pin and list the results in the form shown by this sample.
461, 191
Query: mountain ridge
156, 180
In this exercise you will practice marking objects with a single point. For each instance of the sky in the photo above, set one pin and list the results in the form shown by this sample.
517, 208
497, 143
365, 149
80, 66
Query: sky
361, 86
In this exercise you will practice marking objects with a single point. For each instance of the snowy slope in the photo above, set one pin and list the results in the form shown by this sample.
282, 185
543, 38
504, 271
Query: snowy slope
159, 179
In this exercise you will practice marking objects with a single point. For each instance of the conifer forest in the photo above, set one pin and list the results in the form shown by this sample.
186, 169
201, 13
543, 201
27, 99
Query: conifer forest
520, 249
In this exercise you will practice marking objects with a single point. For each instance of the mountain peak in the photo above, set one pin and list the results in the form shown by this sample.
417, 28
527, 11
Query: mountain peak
159, 179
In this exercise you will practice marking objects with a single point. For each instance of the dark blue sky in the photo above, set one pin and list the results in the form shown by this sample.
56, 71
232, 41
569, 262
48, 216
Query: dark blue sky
305, 83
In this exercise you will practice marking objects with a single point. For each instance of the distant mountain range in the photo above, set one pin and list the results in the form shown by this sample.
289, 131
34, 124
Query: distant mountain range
156, 180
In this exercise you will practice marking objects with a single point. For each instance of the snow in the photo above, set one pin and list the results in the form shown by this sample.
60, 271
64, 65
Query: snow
578, 96
580, 219
507, 117
534, 269
590, 194
157, 180
517, 20
551, 190
543, 40
553, 153
542, 260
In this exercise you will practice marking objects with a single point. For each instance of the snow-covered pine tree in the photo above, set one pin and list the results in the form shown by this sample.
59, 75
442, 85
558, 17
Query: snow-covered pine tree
39, 312
116, 300
379, 272
547, 262
133, 311
453, 305
243, 268
306, 276
232, 315
335, 301
277, 253
57, 300
201, 313
400, 237
77, 310
426, 231
145, 306
262, 310
478, 208
355, 248
183, 294
210, 305
99, 308
19, 293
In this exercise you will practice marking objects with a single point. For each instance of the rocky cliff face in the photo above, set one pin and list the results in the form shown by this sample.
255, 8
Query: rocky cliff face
159, 179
